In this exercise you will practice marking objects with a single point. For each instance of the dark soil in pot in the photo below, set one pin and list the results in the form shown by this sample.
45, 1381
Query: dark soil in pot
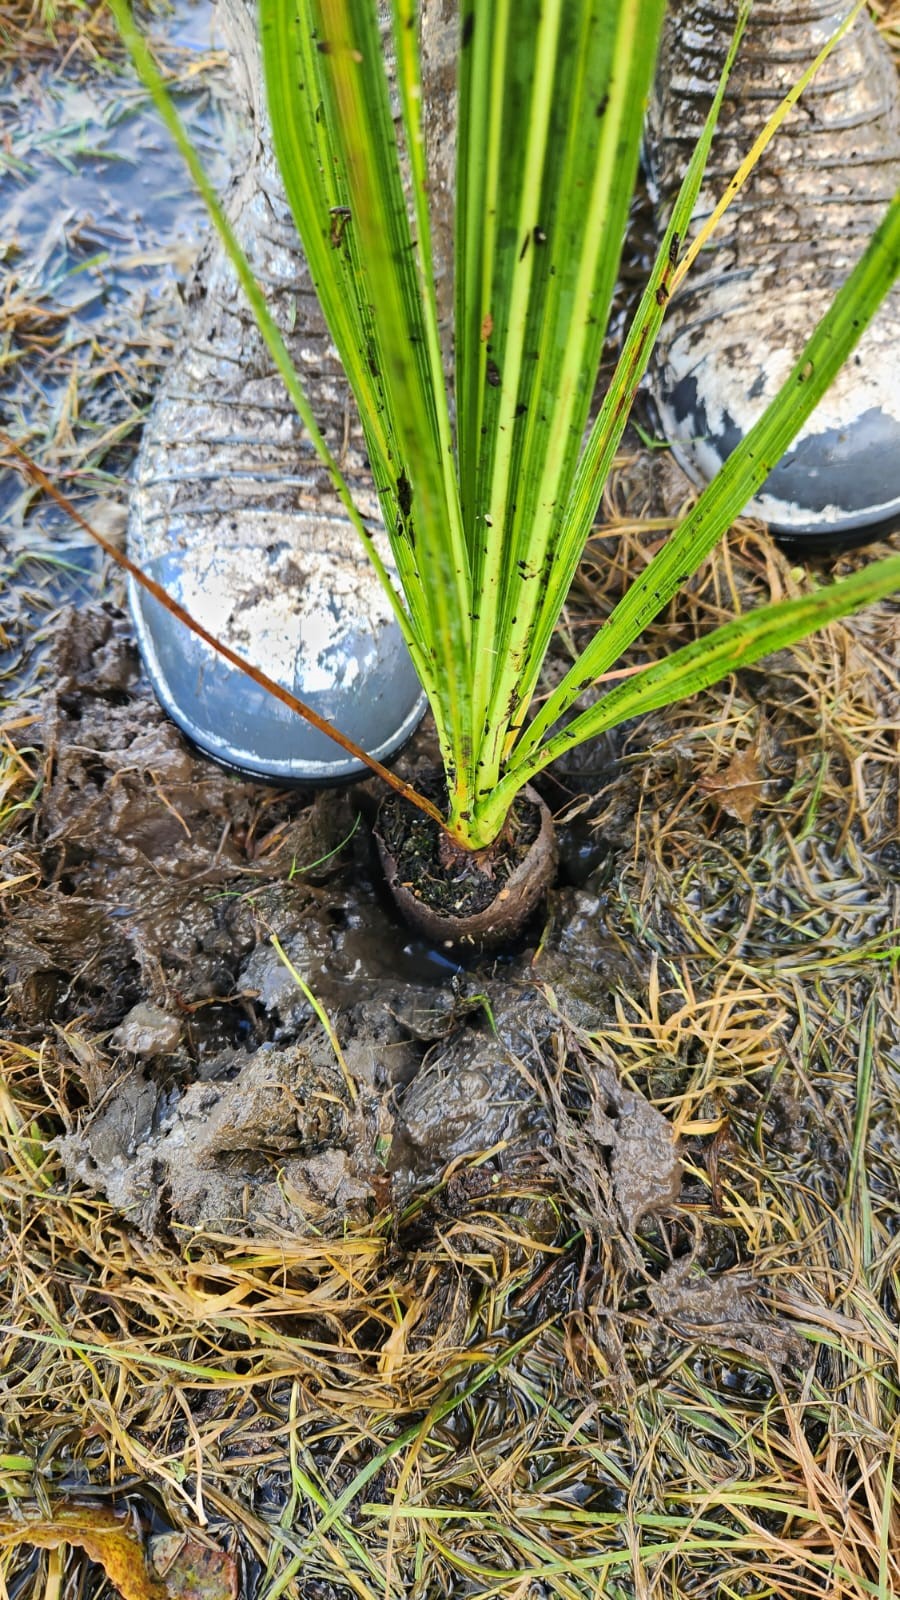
461, 897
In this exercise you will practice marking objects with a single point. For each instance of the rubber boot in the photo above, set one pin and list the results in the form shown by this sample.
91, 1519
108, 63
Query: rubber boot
233, 513
735, 329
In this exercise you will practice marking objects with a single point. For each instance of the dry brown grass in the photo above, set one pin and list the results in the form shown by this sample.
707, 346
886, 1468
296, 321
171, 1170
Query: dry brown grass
485, 1395
584, 1448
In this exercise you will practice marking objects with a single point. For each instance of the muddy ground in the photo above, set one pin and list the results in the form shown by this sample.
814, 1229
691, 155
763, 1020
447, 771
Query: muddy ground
213, 1100
662, 1134
181, 923
585, 1255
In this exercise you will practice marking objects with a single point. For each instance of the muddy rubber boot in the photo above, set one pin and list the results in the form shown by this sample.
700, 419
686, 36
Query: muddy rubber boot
735, 329
233, 513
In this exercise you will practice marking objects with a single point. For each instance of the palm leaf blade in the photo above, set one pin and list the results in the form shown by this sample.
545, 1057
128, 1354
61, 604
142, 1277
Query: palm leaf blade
335, 135
568, 134
742, 475
736, 645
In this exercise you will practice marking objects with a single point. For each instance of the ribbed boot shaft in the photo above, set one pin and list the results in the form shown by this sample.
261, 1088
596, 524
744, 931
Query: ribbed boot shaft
825, 180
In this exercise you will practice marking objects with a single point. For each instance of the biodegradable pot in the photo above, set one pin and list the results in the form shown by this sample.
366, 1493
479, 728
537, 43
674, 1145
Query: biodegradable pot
461, 897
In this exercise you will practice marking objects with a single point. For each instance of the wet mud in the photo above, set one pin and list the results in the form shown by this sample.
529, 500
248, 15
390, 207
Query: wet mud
168, 923
173, 925
179, 906
587, 1119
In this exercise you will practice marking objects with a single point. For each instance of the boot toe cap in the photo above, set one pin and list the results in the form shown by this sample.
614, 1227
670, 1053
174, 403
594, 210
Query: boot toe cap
842, 473
352, 669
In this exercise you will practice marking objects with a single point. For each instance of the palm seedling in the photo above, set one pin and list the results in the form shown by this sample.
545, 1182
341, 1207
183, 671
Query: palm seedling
489, 483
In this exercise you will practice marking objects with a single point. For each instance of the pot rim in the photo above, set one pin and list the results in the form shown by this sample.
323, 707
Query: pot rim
512, 906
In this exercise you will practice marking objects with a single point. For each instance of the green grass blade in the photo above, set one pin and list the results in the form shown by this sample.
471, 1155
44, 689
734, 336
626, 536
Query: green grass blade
317, 193
409, 73
319, 200
567, 328
705, 661
741, 477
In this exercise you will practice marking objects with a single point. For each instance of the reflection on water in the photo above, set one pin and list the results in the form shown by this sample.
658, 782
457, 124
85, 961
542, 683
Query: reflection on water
99, 224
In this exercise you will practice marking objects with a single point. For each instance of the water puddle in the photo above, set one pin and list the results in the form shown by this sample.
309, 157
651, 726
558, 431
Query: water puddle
99, 225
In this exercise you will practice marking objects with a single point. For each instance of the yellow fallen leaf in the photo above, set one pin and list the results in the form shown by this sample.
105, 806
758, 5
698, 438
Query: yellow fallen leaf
180, 1568
106, 1537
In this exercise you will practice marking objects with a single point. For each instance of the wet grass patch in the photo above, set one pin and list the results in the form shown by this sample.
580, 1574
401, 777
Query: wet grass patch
502, 1378
93, 249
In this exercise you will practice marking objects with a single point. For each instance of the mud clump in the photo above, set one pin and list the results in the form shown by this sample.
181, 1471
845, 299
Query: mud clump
725, 1310
148, 1031
277, 1146
478, 1086
615, 1154
149, 854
